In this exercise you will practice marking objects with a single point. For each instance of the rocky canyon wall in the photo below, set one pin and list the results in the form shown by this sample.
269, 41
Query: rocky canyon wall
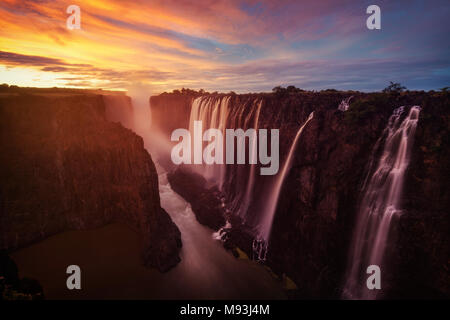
64, 166
316, 212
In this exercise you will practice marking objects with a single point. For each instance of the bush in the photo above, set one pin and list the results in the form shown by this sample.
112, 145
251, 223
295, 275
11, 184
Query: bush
394, 87
363, 109
279, 90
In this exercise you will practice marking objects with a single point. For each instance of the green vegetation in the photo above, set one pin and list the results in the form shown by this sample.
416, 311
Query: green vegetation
189, 92
394, 87
279, 90
363, 108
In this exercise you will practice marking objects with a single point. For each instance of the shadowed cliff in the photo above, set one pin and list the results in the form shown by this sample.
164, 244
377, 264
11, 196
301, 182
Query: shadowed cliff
316, 213
64, 166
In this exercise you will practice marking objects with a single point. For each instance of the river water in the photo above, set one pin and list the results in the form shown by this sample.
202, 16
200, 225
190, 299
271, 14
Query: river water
111, 268
109, 256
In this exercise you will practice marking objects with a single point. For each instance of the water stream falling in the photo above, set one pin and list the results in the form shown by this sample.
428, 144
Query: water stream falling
253, 155
238, 182
216, 112
260, 244
209, 269
345, 104
213, 112
381, 202
109, 256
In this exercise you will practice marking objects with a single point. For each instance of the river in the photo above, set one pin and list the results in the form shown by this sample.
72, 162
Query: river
111, 269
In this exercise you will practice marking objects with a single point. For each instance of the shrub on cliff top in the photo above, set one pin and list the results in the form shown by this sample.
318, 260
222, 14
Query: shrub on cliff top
394, 87
362, 109
280, 91
189, 92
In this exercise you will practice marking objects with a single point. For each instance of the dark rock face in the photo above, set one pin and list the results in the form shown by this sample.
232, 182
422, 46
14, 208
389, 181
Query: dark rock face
205, 202
170, 112
422, 244
118, 108
14, 288
316, 212
64, 166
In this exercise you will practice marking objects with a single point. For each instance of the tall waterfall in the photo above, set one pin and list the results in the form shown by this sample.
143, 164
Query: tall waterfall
345, 104
217, 112
251, 181
243, 196
213, 112
260, 244
381, 202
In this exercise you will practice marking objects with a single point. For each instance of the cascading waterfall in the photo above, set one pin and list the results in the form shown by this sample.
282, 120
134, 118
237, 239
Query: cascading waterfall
219, 113
260, 244
381, 202
213, 112
243, 175
345, 104
251, 180
216, 112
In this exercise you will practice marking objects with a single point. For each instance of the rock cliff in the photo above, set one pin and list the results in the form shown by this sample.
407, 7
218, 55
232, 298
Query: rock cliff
64, 166
317, 207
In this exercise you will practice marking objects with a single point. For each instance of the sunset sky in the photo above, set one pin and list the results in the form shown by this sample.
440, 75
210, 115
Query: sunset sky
225, 45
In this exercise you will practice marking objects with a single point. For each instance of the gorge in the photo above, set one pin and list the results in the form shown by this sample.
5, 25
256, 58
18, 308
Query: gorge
79, 161
64, 166
315, 203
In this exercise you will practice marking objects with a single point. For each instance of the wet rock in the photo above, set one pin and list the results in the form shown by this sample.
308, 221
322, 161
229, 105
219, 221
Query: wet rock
204, 201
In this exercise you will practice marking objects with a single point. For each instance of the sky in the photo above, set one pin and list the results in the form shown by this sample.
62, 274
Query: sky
217, 45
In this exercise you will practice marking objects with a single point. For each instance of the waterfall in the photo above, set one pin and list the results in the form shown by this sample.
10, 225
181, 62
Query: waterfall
217, 112
345, 104
213, 112
260, 244
238, 182
251, 180
381, 202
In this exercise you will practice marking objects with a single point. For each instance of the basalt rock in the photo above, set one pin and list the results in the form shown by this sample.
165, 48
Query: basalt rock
205, 201
316, 212
63, 166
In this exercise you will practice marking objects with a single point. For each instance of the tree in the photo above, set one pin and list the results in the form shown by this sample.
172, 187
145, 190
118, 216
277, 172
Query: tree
394, 87
289, 89
278, 89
